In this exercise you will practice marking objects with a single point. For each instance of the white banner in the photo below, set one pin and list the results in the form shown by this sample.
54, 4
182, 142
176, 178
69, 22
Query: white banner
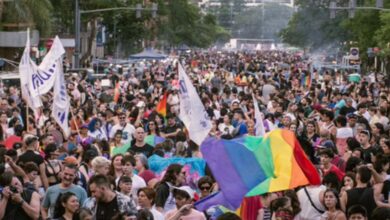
61, 104
259, 126
192, 111
26, 69
42, 79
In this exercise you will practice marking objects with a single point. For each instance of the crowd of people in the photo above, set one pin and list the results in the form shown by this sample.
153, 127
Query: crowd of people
342, 125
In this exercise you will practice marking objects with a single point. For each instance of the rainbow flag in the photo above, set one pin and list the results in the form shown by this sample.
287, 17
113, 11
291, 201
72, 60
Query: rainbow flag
117, 92
119, 150
154, 140
306, 80
250, 166
162, 105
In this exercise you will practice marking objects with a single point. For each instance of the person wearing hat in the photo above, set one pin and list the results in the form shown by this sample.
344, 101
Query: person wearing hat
31, 155
172, 128
352, 119
184, 197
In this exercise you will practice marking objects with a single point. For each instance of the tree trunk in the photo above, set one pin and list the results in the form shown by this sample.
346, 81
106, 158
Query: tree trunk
1, 9
91, 38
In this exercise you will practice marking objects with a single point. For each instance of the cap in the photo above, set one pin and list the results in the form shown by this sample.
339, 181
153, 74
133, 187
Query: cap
29, 139
236, 101
17, 145
352, 115
187, 189
84, 126
71, 160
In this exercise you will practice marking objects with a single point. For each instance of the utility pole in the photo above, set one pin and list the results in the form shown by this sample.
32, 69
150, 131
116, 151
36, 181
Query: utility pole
76, 62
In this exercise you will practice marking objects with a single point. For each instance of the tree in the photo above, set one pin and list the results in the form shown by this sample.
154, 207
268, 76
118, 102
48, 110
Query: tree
311, 26
33, 13
181, 23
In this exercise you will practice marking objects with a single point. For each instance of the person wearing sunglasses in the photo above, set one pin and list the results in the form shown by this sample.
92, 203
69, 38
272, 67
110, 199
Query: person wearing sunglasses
205, 186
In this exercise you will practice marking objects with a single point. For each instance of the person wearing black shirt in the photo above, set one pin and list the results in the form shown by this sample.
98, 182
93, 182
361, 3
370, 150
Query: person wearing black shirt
32, 156
362, 194
17, 202
139, 146
172, 129
367, 150
347, 108
105, 202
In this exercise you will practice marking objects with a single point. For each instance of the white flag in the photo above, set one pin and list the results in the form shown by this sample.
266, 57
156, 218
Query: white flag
259, 126
61, 104
26, 69
42, 79
192, 111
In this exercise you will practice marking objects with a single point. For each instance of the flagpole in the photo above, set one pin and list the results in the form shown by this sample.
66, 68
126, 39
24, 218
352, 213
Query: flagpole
27, 116
74, 120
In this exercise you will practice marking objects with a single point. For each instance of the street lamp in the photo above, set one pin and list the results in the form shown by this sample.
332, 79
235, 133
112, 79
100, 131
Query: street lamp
138, 9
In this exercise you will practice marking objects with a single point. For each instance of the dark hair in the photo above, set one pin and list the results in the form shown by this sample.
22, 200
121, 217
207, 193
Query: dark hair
352, 163
357, 209
328, 152
352, 143
124, 179
332, 180
149, 192
336, 194
99, 180
59, 209
170, 174
380, 213
365, 174
128, 158
6, 178
380, 127
296, 206
205, 179
380, 161
144, 214
342, 120
228, 216
279, 203
30, 166
50, 148
112, 169
351, 175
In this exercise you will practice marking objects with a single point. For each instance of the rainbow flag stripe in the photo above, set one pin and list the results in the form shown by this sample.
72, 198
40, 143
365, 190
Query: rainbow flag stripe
250, 166
306, 80
154, 140
162, 105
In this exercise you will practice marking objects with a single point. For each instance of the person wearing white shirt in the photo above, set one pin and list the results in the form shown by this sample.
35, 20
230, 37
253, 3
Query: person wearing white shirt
126, 128
146, 201
128, 163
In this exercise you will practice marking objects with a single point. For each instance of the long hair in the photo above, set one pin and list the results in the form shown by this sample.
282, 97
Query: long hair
172, 171
112, 168
336, 194
59, 209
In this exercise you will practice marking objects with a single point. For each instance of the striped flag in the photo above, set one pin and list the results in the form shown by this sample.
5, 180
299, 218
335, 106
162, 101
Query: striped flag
117, 92
162, 105
26, 69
